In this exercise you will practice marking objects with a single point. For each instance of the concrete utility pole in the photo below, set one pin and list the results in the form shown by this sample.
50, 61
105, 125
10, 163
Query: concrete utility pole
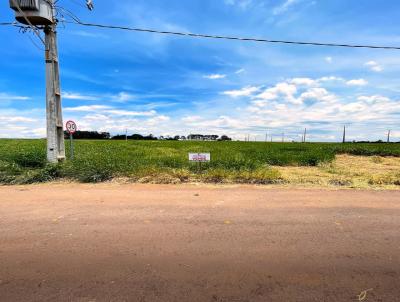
388, 136
344, 134
42, 13
55, 130
305, 135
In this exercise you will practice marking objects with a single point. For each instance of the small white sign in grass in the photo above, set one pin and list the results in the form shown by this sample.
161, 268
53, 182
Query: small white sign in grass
200, 157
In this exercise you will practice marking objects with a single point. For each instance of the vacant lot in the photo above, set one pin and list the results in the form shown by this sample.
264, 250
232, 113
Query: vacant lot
23, 161
110, 242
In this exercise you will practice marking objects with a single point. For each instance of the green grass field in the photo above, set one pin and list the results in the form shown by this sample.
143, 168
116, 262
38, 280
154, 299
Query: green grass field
24, 161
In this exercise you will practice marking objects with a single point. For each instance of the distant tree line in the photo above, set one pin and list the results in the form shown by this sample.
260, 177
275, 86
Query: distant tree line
136, 137
106, 135
373, 142
95, 135
88, 135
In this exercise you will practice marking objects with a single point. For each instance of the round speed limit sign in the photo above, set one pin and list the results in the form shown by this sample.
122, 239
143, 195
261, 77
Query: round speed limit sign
71, 127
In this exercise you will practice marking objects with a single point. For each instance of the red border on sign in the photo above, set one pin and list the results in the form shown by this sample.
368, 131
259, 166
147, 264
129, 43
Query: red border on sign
68, 123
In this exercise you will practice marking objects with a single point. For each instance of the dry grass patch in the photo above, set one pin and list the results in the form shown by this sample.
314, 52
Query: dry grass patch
348, 171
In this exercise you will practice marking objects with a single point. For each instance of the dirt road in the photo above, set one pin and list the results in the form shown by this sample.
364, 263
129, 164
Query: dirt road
195, 243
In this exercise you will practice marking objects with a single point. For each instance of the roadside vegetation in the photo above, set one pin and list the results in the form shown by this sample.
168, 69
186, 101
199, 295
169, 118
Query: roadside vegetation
24, 162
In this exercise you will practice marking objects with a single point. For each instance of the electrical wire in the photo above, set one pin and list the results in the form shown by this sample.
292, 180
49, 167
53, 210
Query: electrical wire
69, 13
194, 35
76, 20
23, 28
34, 44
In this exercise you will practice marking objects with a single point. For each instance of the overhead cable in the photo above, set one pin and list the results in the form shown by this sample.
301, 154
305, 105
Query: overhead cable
194, 35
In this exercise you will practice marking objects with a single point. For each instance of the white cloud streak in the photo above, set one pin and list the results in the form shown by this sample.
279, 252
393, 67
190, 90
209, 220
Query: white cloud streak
246, 91
284, 7
357, 82
121, 97
374, 66
11, 97
215, 76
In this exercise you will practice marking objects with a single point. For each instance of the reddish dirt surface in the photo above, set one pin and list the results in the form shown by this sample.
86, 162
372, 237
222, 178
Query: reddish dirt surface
196, 243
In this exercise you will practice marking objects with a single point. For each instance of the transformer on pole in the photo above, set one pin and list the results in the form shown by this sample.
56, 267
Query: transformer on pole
41, 13
38, 12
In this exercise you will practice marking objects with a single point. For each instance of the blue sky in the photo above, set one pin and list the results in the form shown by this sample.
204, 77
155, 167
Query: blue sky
166, 85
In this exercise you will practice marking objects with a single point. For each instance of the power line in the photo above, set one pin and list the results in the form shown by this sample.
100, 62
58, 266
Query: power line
69, 13
23, 29
34, 44
194, 35
15, 24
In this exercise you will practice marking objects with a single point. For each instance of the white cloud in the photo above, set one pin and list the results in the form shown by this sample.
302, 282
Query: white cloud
215, 76
101, 110
329, 59
352, 107
155, 121
246, 91
10, 97
357, 82
374, 66
240, 71
20, 123
117, 112
87, 34
330, 78
243, 4
283, 106
260, 103
96, 117
318, 94
287, 91
326, 113
373, 99
36, 132
281, 89
191, 119
303, 81
284, 7
284, 88
86, 108
78, 96
221, 122
121, 97
16, 119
